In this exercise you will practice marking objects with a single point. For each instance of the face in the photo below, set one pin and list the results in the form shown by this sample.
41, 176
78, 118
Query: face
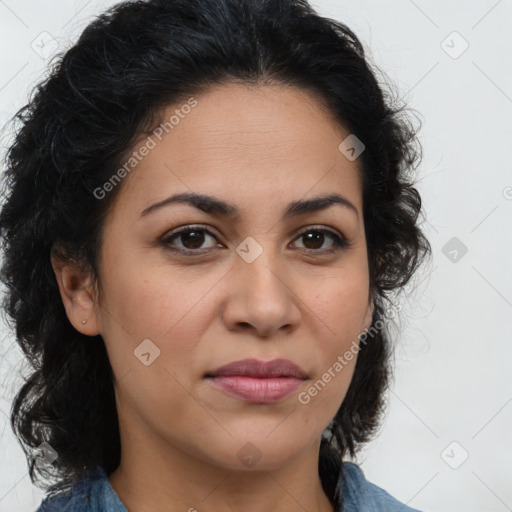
187, 289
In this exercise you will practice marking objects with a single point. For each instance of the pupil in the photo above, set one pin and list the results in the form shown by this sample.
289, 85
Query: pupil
196, 237
315, 236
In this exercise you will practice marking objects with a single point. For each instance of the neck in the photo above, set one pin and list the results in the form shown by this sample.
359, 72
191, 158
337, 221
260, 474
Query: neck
149, 480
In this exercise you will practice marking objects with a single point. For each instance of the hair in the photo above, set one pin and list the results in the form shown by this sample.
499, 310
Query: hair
78, 127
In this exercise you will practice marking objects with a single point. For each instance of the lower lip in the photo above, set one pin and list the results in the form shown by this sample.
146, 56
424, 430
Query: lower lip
253, 389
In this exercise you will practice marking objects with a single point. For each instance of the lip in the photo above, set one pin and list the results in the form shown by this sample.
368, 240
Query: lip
259, 369
258, 381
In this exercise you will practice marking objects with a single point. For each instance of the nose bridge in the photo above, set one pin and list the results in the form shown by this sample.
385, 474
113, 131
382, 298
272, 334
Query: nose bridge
261, 296
258, 268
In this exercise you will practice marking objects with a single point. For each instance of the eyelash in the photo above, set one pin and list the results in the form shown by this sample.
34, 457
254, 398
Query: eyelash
340, 243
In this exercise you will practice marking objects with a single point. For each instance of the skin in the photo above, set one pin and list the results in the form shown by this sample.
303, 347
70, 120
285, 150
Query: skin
259, 148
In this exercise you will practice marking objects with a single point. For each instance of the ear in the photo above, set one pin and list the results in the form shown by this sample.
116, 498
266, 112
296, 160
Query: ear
78, 295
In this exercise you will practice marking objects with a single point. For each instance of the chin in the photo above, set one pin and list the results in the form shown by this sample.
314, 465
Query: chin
259, 453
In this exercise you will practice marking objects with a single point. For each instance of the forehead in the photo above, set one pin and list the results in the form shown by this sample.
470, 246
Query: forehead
252, 142
243, 121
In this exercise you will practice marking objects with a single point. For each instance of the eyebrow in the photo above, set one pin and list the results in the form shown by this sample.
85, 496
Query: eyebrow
216, 206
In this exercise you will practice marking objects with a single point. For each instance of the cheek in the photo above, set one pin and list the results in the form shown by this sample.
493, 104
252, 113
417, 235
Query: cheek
341, 303
155, 300
324, 395
168, 306
153, 305
340, 308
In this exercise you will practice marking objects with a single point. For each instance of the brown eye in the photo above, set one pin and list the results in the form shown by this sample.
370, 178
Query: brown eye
192, 239
189, 239
313, 240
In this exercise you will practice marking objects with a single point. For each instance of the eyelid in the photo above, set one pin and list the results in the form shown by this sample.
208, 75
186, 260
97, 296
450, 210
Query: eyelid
187, 227
320, 227
340, 241
183, 229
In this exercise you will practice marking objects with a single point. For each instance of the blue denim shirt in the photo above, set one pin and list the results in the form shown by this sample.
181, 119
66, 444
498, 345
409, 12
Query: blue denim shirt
95, 494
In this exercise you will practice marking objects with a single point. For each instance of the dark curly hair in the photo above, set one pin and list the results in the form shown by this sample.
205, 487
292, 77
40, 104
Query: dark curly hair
76, 130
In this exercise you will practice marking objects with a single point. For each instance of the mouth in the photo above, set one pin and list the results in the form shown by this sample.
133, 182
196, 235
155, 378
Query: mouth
257, 381
260, 369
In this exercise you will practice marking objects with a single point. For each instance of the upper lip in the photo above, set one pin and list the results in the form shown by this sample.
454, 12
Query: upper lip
261, 369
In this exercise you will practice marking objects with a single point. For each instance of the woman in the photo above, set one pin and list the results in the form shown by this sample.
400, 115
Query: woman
207, 210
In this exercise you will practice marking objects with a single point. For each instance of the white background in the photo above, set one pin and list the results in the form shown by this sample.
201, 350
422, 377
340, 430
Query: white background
453, 365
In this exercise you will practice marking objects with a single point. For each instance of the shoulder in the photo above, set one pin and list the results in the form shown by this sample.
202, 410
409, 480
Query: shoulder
360, 495
92, 493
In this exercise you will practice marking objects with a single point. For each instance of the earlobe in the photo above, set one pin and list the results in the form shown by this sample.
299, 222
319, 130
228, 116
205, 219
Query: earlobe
75, 286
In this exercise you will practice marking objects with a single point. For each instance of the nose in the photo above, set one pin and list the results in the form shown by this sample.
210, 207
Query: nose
260, 297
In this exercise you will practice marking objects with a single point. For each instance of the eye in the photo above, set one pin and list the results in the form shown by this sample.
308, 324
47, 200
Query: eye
314, 237
191, 238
